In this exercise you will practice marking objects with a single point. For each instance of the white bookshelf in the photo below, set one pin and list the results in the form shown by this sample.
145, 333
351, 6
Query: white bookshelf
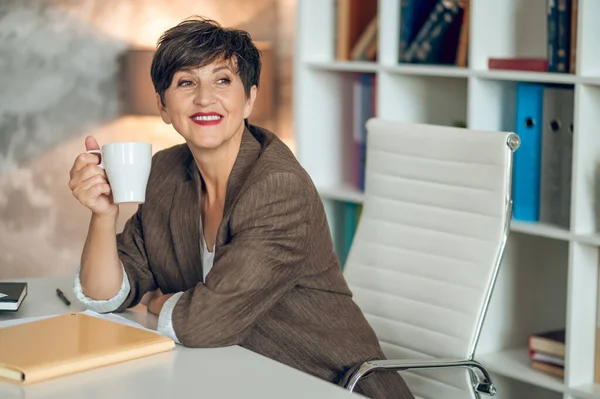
549, 274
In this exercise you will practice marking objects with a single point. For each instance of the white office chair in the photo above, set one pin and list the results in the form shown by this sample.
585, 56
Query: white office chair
426, 253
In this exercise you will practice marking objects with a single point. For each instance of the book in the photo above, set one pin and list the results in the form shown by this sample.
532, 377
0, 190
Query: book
548, 359
573, 45
363, 103
519, 64
352, 18
563, 50
547, 352
558, 371
360, 51
429, 41
448, 48
462, 49
69, 343
549, 342
12, 295
552, 26
413, 13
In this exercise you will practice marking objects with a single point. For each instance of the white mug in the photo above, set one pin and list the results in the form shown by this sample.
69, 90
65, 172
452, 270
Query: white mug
127, 166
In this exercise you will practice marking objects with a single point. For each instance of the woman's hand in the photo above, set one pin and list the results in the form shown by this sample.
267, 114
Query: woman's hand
156, 303
89, 184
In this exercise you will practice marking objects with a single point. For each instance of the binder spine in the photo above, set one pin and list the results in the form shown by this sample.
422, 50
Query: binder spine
527, 160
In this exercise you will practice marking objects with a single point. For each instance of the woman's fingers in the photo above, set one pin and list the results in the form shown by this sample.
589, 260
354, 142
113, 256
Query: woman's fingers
93, 179
88, 181
88, 191
98, 190
84, 174
84, 160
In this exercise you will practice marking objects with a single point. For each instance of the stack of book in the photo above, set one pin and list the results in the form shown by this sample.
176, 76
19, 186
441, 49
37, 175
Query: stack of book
547, 352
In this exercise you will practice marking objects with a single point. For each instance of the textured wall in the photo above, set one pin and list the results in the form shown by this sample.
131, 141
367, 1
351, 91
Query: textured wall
59, 81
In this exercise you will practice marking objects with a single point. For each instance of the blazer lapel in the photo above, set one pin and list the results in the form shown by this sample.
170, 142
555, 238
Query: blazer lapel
186, 226
185, 219
245, 161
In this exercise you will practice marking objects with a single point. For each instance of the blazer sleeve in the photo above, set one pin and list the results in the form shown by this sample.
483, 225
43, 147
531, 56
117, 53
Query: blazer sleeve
132, 253
263, 260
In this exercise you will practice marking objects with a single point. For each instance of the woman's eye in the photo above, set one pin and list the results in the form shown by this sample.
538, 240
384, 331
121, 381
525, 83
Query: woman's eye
185, 83
224, 81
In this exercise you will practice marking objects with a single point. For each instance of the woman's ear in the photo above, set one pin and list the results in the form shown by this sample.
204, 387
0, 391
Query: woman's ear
164, 114
250, 102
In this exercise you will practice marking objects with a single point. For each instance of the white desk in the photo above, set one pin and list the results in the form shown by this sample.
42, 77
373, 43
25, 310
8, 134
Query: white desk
231, 372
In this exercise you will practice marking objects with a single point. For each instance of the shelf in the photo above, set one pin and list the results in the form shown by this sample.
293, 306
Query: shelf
590, 239
514, 363
555, 232
525, 76
345, 66
350, 194
591, 80
541, 230
587, 391
428, 70
452, 72
345, 194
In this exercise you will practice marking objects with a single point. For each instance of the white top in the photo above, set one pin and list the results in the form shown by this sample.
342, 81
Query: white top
208, 258
165, 322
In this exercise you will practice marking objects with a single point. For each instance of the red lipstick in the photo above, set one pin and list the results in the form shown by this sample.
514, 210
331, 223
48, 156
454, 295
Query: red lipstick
206, 118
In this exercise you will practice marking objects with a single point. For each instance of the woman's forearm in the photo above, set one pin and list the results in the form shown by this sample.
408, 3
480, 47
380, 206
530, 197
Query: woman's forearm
101, 272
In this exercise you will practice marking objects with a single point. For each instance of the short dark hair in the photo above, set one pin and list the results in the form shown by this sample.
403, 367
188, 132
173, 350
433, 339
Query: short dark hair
199, 41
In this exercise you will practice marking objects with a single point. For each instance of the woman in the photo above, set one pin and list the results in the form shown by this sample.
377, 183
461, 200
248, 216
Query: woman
233, 231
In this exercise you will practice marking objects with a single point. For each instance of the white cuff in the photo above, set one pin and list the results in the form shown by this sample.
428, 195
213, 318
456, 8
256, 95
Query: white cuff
102, 305
165, 322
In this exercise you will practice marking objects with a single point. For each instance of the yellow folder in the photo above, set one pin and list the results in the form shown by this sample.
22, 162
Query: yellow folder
69, 343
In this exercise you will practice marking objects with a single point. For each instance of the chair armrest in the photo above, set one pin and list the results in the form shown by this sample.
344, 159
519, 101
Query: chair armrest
483, 385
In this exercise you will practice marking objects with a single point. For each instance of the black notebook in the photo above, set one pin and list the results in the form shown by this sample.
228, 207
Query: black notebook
12, 295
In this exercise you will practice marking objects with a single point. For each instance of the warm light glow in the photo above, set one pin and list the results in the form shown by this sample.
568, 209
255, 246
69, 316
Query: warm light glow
141, 23
291, 143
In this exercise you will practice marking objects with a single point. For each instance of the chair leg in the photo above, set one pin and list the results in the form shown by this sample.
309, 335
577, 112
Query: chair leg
354, 375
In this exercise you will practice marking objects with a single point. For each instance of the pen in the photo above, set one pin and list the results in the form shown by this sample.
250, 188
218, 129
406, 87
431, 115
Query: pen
62, 297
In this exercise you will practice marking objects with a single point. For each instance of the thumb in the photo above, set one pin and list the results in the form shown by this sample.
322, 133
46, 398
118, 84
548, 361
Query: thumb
91, 143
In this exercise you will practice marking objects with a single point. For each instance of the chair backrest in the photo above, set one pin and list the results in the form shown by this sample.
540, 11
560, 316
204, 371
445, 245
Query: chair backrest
429, 243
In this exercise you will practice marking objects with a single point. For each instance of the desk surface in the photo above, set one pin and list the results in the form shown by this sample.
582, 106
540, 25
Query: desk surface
231, 372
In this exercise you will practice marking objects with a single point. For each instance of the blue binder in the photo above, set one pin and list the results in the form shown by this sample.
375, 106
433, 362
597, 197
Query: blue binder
527, 159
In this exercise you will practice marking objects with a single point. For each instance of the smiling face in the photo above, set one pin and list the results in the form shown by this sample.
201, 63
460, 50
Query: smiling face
207, 106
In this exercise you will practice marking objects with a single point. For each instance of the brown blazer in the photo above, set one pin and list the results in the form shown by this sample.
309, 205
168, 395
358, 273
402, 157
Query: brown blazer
275, 288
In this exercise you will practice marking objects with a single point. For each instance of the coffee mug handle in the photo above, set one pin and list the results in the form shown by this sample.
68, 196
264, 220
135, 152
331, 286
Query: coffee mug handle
99, 152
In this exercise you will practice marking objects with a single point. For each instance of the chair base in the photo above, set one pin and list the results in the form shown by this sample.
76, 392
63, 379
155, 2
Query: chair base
481, 384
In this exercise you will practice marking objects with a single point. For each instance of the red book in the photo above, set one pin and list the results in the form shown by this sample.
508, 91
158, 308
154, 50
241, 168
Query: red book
519, 64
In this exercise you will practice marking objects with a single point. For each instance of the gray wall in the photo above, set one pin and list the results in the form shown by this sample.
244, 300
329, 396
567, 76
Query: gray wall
60, 81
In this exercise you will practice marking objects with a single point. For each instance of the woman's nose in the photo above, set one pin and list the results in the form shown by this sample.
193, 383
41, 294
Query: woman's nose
204, 96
